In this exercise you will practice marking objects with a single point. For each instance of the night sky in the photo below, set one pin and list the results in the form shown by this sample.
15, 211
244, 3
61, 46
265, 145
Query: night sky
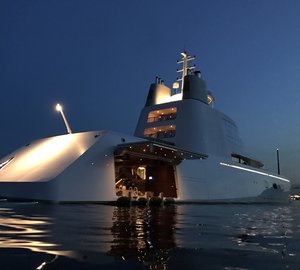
97, 58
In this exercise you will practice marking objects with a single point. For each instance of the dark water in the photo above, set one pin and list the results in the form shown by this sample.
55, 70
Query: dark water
39, 236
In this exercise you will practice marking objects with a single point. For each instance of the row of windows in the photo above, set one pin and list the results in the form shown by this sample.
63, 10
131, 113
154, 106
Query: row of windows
162, 135
161, 132
162, 115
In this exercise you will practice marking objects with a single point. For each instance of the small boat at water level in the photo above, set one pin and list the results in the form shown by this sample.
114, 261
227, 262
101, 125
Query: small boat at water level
183, 150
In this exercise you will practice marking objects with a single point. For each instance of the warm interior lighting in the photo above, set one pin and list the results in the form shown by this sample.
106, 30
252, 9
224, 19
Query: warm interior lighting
162, 115
163, 131
168, 98
141, 172
164, 95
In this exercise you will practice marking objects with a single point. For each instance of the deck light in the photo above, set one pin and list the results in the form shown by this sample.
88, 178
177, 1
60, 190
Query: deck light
175, 85
60, 109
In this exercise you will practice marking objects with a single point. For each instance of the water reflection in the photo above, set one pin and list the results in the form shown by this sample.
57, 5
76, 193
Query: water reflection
82, 232
145, 234
169, 237
268, 231
27, 231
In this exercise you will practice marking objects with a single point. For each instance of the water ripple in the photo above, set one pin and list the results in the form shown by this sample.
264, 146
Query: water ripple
170, 237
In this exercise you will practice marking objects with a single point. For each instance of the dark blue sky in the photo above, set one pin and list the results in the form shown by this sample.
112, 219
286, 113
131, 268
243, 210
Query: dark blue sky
98, 57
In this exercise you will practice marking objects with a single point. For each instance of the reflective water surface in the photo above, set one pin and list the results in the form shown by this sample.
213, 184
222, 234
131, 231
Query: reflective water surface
42, 236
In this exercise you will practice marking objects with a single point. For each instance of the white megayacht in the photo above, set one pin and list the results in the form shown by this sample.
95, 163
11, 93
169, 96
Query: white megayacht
183, 150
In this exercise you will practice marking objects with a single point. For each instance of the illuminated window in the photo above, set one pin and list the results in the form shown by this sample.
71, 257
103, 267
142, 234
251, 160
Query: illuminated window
160, 132
246, 160
141, 172
162, 115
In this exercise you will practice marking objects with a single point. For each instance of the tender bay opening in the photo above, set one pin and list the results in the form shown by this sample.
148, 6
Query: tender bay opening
147, 169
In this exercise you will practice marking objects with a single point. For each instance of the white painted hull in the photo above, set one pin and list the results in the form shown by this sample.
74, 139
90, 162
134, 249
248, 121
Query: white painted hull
91, 178
209, 181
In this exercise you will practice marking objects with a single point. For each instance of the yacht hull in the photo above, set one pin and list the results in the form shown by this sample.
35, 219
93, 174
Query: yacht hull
91, 176
216, 180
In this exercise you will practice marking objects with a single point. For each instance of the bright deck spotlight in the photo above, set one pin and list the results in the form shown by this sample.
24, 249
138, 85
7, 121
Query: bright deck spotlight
59, 108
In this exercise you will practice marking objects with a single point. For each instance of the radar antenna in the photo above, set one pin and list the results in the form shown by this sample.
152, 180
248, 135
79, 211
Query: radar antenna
185, 68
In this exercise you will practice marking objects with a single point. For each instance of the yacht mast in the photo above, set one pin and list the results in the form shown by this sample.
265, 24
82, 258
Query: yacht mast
184, 71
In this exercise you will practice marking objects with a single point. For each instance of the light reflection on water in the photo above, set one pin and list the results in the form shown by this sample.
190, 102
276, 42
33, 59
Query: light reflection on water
169, 237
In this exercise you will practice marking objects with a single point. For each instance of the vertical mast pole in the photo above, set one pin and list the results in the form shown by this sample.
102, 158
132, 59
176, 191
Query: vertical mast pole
184, 68
278, 163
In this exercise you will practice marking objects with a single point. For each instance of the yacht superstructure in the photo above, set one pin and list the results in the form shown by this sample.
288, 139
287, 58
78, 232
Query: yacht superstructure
183, 149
